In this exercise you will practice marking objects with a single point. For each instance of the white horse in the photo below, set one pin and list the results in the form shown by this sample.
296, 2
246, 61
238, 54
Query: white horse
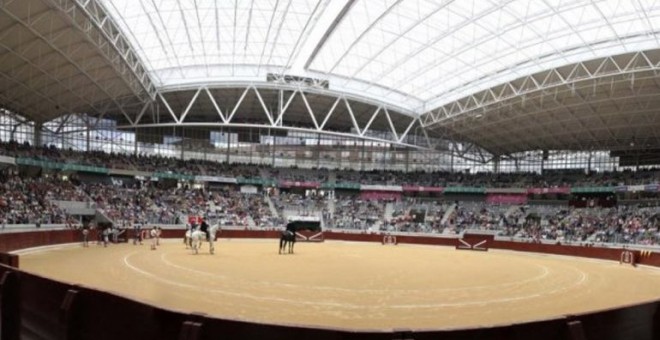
187, 238
197, 236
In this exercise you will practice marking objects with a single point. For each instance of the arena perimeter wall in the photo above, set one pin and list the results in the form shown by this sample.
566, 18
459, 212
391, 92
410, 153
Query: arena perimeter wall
33, 307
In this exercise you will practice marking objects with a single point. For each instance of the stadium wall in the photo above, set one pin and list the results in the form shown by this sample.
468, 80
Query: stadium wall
33, 307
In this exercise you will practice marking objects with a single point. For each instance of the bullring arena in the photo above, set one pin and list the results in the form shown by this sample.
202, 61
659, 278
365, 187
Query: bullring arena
445, 169
350, 285
355, 285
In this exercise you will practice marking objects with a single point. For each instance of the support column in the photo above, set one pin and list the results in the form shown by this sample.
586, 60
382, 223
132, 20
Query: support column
135, 143
87, 138
545, 155
206, 150
183, 140
496, 164
228, 150
227, 136
318, 150
407, 159
12, 134
272, 149
451, 160
362, 157
38, 134
251, 147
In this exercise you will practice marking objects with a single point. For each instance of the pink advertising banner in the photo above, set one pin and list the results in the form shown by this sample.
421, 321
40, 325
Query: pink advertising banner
380, 195
506, 199
556, 190
422, 189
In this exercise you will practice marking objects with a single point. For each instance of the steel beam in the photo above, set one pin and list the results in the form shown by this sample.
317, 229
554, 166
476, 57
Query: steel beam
267, 126
608, 68
101, 20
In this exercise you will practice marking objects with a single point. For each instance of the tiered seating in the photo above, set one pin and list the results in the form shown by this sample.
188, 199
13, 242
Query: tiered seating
354, 213
299, 175
30, 199
295, 204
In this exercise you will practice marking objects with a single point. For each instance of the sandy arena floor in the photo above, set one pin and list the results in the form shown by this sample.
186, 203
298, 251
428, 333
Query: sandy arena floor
351, 285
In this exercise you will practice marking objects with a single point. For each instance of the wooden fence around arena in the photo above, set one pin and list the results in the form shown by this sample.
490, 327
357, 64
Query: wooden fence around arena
40, 308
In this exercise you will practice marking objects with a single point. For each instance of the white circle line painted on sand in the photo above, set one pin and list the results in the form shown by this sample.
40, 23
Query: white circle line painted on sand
583, 278
41, 249
170, 264
544, 273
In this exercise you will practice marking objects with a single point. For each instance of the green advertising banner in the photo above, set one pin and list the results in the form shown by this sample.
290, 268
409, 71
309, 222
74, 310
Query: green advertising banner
464, 190
61, 166
341, 185
582, 190
167, 175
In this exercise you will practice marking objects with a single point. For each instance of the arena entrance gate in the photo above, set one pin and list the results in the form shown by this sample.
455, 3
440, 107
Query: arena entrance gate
475, 241
308, 229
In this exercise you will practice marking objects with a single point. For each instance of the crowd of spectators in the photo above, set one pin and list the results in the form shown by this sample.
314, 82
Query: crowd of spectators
550, 178
33, 199
298, 204
411, 215
29, 200
351, 212
156, 163
299, 175
537, 223
25, 199
153, 204
621, 224
141, 162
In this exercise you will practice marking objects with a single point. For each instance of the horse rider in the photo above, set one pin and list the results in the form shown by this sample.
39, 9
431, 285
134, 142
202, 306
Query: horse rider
205, 228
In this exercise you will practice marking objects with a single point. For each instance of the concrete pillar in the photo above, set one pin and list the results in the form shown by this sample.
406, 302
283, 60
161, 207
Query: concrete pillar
135, 143
451, 161
38, 135
407, 159
183, 137
318, 150
362, 156
88, 137
272, 149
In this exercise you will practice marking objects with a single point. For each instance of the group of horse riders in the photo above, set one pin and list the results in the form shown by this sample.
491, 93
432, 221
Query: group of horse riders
287, 237
199, 224
198, 230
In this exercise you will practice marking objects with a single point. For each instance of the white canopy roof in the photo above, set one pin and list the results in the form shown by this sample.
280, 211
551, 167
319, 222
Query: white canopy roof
418, 54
